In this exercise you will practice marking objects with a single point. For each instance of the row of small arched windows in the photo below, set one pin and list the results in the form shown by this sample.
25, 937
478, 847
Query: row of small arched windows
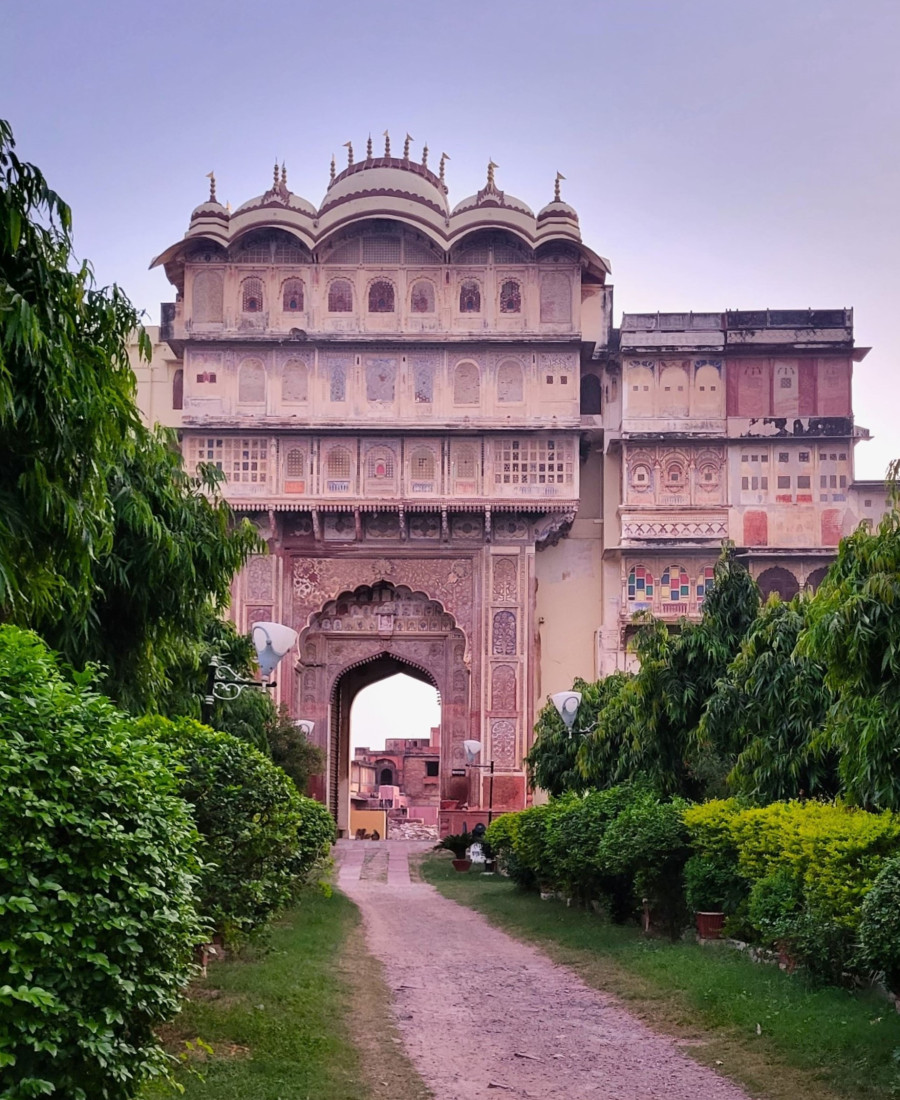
381, 296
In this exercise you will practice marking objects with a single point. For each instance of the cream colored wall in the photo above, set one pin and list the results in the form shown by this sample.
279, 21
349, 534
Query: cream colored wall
570, 591
154, 381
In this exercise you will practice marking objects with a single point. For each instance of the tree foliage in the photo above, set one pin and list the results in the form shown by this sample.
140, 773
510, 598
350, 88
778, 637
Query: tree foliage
854, 630
97, 873
107, 547
259, 838
767, 710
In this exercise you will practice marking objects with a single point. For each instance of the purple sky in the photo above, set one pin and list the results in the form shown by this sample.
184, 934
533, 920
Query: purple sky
722, 155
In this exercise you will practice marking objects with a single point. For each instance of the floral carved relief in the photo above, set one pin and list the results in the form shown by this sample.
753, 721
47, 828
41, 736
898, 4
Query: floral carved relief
503, 635
259, 577
503, 742
505, 586
503, 689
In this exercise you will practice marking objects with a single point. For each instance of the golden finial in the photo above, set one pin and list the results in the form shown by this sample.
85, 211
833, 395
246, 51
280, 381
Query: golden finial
275, 175
211, 176
387, 144
490, 179
559, 176
444, 159
283, 175
425, 155
333, 169
348, 145
369, 148
406, 147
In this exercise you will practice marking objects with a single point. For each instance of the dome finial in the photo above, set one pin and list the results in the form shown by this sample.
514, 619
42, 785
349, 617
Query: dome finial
444, 158
406, 147
348, 145
333, 169
490, 176
559, 176
275, 174
283, 175
211, 176
387, 144
425, 155
369, 148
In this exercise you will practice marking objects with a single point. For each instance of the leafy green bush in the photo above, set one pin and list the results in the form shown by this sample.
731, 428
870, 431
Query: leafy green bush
259, 838
710, 886
501, 836
879, 927
97, 910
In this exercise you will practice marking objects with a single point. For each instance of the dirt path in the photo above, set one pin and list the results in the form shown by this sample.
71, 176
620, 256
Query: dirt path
485, 1017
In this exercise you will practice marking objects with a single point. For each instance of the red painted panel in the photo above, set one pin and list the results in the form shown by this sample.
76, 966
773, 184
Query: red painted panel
834, 387
756, 529
751, 377
831, 527
807, 385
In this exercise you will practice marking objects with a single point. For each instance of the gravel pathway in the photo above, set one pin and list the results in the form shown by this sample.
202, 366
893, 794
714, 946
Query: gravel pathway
485, 1017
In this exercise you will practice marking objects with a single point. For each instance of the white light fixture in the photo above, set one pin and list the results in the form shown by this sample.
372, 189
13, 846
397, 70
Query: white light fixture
305, 726
473, 748
567, 704
272, 642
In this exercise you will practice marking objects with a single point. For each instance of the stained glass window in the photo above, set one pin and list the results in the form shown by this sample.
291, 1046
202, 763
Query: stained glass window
340, 296
470, 297
704, 582
381, 297
640, 585
251, 295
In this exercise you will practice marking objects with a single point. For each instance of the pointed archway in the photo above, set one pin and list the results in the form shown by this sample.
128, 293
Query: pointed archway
365, 636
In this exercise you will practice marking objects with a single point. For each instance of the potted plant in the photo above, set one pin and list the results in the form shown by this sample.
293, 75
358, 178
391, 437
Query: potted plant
712, 890
458, 844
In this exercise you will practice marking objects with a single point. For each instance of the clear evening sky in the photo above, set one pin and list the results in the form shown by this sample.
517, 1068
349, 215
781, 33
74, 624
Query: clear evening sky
720, 154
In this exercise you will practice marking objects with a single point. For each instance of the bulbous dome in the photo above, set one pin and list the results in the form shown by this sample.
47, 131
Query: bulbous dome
557, 209
387, 178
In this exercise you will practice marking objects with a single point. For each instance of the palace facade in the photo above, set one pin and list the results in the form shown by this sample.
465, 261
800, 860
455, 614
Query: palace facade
463, 469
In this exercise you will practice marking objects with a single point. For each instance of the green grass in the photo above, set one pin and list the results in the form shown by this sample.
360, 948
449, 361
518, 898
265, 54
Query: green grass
812, 1042
277, 1020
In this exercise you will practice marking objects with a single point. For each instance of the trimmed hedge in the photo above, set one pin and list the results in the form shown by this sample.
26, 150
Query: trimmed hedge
798, 875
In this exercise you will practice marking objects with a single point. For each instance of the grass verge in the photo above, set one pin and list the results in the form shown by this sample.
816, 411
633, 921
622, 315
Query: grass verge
766, 1029
294, 1021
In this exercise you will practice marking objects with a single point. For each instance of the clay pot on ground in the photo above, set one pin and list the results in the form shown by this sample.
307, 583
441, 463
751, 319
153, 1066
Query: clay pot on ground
710, 925
462, 864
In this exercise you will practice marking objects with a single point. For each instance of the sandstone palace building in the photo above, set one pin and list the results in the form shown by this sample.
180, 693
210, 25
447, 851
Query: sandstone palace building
464, 469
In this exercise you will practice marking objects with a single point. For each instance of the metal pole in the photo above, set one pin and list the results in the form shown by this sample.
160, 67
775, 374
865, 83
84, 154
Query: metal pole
491, 795
206, 702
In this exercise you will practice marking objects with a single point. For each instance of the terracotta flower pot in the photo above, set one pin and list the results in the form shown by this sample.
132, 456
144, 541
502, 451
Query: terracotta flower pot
462, 864
709, 925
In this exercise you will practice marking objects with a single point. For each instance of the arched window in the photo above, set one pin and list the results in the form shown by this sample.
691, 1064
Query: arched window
675, 477
421, 298
251, 295
470, 297
292, 296
295, 381
207, 297
641, 477
590, 395
705, 582
178, 389
779, 580
674, 397
510, 297
386, 778
466, 384
252, 382
380, 465
509, 381
295, 464
340, 296
640, 585
337, 470
421, 465
675, 584
381, 297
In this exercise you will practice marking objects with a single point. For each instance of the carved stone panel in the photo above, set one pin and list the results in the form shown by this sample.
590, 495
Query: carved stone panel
504, 587
503, 743
503, 689
259, 577
425, 525
503, 635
